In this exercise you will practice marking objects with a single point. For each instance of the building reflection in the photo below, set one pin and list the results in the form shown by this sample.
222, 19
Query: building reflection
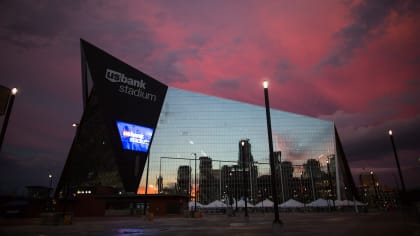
229, 138
227, 183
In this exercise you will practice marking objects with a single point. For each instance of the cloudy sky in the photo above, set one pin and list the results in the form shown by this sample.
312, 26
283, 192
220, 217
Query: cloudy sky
356, 63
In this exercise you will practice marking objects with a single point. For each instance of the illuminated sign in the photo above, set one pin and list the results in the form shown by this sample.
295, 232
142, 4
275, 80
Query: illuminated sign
134, 137
129, 85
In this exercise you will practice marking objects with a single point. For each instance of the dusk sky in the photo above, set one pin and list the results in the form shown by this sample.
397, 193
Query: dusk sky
356, 63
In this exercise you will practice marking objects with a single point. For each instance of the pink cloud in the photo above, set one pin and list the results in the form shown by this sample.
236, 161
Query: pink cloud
333, 60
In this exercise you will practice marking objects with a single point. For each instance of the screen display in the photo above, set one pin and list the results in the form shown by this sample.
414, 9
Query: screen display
134, 137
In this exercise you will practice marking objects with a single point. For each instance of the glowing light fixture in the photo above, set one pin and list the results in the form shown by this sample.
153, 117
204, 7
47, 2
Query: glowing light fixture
265, 84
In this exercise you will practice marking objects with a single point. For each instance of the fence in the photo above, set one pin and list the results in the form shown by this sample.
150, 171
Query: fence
207, 180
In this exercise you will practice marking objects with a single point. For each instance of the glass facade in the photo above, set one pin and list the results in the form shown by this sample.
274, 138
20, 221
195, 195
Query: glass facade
215, 131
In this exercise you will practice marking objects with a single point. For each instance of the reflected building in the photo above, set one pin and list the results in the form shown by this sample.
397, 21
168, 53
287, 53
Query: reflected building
209, 186
245, 154
184, 180
285, 180
247, 179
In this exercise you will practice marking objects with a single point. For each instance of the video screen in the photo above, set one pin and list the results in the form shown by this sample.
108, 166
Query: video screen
134, 137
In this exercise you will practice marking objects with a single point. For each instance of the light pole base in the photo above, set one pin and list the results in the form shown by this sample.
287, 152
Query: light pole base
277, 227
278, 222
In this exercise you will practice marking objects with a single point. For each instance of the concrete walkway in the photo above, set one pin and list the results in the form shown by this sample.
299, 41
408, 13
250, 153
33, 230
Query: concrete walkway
295, 224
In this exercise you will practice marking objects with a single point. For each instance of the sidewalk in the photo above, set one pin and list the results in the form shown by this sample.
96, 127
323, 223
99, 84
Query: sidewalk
295, 224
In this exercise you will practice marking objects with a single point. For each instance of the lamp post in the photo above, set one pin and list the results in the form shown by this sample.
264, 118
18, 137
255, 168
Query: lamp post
235, 180
301, 185
147, 186
312, 181
270, 146
160, 179
13, 92
243, 178
230, 189
330, 182
50, 178
397, 161
49, 204
303, 190
195, 181
189, 181
374, 185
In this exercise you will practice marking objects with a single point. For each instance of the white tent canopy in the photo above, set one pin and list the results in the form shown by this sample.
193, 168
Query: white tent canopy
215, 204
320, 202
348, 203
291, 203
241, 203
359, 203
265, 203
343, 203
191, 205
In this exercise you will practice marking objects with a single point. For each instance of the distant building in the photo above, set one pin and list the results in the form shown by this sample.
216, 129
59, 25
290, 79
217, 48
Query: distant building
159, 183
247, 178
208, 187
368, 187
376, 194
245, 153
184, 180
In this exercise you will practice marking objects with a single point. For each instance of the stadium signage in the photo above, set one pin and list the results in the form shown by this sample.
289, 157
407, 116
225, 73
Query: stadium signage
129, 85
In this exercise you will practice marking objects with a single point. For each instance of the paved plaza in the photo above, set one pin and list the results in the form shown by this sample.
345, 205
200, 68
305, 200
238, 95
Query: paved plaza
295, 224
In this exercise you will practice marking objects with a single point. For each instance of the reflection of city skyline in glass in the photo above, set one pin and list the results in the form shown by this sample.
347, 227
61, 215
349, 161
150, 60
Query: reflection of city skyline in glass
211, 126
134, 137
192, 123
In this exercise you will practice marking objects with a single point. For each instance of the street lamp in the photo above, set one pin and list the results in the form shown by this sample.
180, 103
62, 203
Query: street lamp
50, 186
397, 161
303, 189
270, 146
195, 181
147, 186
374, 185
235, 181
50, 178
13, 92
243, 177
330, 182
230, 189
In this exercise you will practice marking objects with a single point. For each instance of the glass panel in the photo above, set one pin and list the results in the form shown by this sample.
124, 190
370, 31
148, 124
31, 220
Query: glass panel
212, 129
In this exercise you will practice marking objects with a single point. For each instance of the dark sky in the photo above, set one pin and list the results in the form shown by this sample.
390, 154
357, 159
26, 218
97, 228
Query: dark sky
356, 63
